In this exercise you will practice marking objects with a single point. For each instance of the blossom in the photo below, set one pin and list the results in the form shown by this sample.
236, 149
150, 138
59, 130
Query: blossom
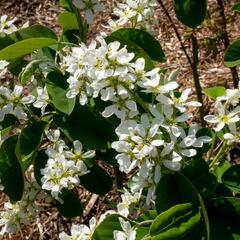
42, 99
7, 27
123, 107
3, 67
179, 102
89, 7
13, 102
223, 118
63, 167
80, 232
127, 199
15, 214
135, 14
128, 232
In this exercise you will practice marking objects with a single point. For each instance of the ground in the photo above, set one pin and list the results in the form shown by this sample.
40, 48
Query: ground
211, 70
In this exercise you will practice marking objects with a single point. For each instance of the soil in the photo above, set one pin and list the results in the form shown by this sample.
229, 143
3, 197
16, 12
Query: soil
211, 70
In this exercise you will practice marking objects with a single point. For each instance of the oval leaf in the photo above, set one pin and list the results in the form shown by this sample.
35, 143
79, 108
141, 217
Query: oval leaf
190, 12
68, 21
57, 88
175, 222
206, 184
10, 170
40, 163
71, 206
236, 7
28, 143
231, 178
232, 55
88, 126
35, 31
97, 181
24, 47
215, 92
224, 208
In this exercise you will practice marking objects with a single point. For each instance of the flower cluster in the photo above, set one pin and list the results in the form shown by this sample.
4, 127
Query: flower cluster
135, 14
22, 212
64, 167
152, 140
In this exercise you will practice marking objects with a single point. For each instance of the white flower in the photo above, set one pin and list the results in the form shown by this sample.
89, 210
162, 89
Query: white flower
127, 200
42, 99
181, 102
80, 232
13, 102
136, 14
78, 153
224, 118
232, 139
13, 215
7, 27
123, 108
90, 7
128, 232
3, 67
60, 172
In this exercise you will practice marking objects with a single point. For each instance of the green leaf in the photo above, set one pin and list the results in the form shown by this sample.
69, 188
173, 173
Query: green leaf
190, 12
196, 168
231, 178
28, 143
68, 21
57, 88
134, 48
189, 193
108, 156
8, 123
175, 223
206, 184
105, 229
184, 192
236, 7
144, 40
24, 47
35, 31
224, 229
10, 170
165, 188
224, 208
66, 4
97, 181
40, 163
221, 168
232, 55
71, 206
88, 126
148, 215
215, 92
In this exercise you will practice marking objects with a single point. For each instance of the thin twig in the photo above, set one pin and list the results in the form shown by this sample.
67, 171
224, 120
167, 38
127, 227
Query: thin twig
192, 62
226, 41
90, 204
196, 77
